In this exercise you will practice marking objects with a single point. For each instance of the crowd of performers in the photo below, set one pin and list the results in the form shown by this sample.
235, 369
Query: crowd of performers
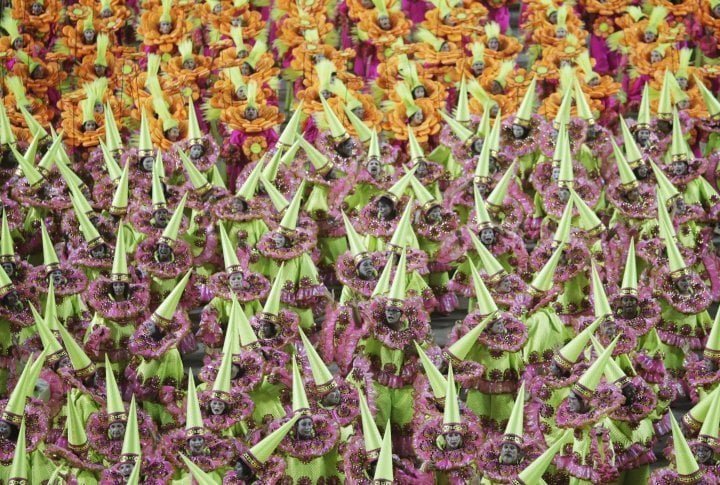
291, 191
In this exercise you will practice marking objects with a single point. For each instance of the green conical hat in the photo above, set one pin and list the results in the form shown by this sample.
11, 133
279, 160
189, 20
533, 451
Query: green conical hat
462, 111
711, 426
31, 174
583, 108
711, 102
665, 225
525, 110
197, 179
50, 315
627, 176
15, 407
396, 296
337, 130
89, 231
514, 431
194, 132
158, 193
712, 347
566, 178
371, 435
166, 310
675, 259
114, 403
113, 141
568, 355
589, 221
482, 217
7, 137
52, 155
221, 386
131, 448
300, 404
7, 248
629, 281
74, 424
482, 169
384, 466
194, 423
485, 303
694, 418
491, 265
231, 343
600, 300
678, 146
416, 152
19, 466
398, 188
355, 243
31, 152
241, 323
364, 133
36, 129
262, 451
423, 195
559, 150
383, 284
134, 478
119, 204
287, 137
145, 143
197, 473
483, 128
322, 376
665, 107
451, 414
438, 383
278, 200
685, 464
643, 119
272, 304
170, 233
532, 474
232, 263
112, 167
562, 117
585, 386
289, 220
457, 127
498, 194
562, 233
6, 284
249, 187
402, 232
51, 345
374, 148
119, 268
633, 155
50, 258
612, 372
320, 162
81, 363
459, 350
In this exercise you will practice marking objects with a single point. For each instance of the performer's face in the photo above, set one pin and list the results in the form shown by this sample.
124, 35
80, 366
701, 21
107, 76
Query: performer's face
498, 327
518, 131
419, 92
37, 8
116, 430
385, 209
384, 22
359, 111
575, 403
649, 37
57, 278
655, 57
5, 429
366, 270
344, 149
393, 315
632, 195
242, 471
629, 392
238, 205
246, 69
173, 134
561, 32
703, 453
241, 93
164, 250
684, 284
251, 113
563, 194
487, 236
126, 469
716, 11
682, 82
642, 172
434, 215
147, 163
421, 168
679, 167
99, 251
305, 428
165, 27
189, 64
373, 167
552, 17
197, 151
89, 36
332, 398
235, 280
217, 407
493, 44
643, 135
453, 440
9, 268
196, 445
279, 240
267, 330
504, 286
105, 13
477, 145
477, 68
162, 217
509, 454
417, 118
